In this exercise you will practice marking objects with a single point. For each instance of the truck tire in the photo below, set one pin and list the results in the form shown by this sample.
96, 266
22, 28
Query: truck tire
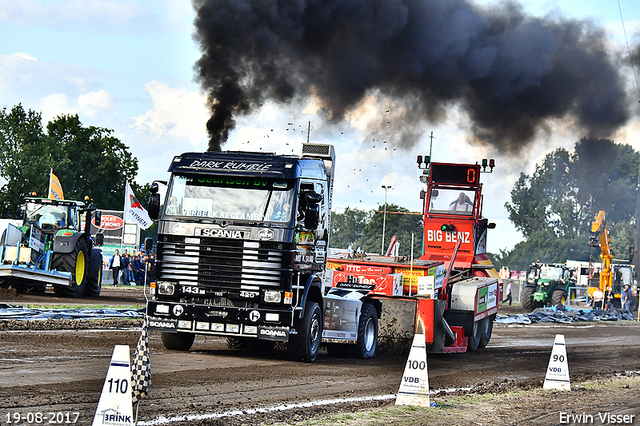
76, 263
250, 344
527, 299
367, 342
236, 343
94, 275
558, 297
473, 342
177, 341
487, 329
305, 345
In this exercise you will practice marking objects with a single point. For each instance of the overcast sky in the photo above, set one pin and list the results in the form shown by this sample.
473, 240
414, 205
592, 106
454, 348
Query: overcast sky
127, 65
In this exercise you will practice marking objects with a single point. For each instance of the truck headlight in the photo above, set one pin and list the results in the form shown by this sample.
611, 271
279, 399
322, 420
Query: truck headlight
165, 288
272, 296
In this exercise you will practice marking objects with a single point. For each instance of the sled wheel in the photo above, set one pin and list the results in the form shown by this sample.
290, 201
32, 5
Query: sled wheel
367, 342
475, 337
487, 329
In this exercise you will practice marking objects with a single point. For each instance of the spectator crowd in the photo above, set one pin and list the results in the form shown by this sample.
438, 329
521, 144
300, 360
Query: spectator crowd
129, 268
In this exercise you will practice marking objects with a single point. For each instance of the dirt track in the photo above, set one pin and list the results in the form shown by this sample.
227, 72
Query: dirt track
63, 371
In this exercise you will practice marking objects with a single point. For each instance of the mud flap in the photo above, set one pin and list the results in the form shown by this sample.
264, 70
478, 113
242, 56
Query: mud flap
402, 318
439, 328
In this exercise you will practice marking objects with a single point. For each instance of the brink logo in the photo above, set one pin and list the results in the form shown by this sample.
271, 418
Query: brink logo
110, 417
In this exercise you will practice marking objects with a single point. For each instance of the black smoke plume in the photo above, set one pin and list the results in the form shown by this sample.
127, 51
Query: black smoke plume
510, 72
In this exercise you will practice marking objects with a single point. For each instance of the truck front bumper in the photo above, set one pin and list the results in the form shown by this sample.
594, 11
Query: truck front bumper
259, 323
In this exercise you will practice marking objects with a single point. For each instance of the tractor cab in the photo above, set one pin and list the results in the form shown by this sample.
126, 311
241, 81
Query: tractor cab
52, 215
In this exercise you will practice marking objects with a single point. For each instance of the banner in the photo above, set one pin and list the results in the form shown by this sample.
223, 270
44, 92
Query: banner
55, 189
133, 210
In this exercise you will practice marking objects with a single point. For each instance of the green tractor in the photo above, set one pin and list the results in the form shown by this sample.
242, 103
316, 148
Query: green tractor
547, 284
52, 246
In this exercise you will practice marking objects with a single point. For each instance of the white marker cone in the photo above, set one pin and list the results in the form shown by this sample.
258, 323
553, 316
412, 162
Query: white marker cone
558, 371
414, 388
115, 407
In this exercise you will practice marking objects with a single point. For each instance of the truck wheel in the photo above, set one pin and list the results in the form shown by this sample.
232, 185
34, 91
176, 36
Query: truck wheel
487, 329
527, 299
76, 263
236, 343
94, 278
476, 335
178, 341
305, 345
558, 297
367, 342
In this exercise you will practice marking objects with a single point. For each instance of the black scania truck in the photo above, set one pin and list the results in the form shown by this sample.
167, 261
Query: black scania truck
242, 249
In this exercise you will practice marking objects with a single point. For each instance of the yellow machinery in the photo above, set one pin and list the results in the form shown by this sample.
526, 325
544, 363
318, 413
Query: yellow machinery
599, 228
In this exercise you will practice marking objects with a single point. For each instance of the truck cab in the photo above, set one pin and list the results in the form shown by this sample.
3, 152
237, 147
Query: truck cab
242, 248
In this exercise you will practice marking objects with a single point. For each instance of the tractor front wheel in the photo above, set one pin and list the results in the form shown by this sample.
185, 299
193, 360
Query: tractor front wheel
527, 299
76, 263
559, 297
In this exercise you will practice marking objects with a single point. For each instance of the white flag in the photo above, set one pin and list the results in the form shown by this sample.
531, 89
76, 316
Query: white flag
133, 210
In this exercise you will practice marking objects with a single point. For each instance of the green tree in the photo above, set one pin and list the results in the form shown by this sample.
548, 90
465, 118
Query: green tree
89, 161
347, 227
399, 222
554, 207
23, 157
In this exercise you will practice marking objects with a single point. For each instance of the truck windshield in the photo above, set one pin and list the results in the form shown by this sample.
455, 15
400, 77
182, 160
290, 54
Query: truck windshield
451, 201
230, 197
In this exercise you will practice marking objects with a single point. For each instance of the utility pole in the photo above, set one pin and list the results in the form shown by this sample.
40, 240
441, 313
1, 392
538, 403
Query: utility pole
384, 218
636, 240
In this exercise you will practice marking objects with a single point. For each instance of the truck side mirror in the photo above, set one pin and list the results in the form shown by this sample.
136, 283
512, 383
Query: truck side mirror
99, 239
491, 225
154, 201
98, 219
312, 214
148, 244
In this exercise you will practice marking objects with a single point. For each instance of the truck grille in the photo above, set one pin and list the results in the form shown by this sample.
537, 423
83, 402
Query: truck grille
223, 262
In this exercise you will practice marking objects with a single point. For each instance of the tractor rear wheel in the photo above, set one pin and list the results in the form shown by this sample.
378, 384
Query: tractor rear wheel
76, 263
94, 275
527, 299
